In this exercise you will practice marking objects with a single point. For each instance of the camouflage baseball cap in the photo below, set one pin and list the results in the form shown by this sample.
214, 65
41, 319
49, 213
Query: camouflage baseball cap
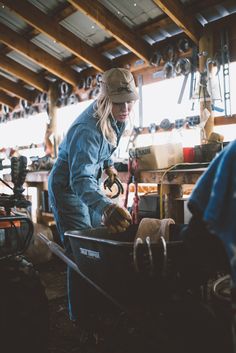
118, 84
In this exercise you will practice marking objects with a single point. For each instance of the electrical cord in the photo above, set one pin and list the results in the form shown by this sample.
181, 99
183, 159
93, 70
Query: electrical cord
5, 183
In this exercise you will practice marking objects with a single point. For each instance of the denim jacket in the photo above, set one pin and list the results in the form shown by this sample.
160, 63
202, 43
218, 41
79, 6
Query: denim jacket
86, 153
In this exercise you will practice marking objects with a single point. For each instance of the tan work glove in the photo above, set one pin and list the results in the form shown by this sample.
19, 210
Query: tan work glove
116, 218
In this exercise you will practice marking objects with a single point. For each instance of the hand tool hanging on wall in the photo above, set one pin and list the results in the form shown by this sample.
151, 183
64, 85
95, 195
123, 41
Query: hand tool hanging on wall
213, 80
133, 179
183, 88
203, 92
64, 92
194, 66
72, 99
140, 92
169, 57
224, 40
155, 59
185, 67
183, 45
24, 105
134, 134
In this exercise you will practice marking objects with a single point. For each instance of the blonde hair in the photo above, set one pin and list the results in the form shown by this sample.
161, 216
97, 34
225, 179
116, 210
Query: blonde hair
103, 110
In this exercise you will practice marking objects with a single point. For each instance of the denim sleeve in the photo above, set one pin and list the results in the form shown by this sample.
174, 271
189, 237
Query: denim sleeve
83, 156
108, 163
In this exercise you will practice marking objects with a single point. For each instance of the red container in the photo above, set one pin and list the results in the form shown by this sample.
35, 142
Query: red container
188, 153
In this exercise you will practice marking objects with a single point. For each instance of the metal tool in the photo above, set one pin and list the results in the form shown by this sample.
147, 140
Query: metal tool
108, 183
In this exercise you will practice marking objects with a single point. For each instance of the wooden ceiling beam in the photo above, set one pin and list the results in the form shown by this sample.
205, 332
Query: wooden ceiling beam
44, 24
111, 24
11, 102
17, 89
176, 11
40, 56
151, 26
129, 61
64, 10
134, 64
142, 30
32, 78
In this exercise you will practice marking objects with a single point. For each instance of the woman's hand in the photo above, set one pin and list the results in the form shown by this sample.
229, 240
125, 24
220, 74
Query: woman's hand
111, 180
116, 218
112, 173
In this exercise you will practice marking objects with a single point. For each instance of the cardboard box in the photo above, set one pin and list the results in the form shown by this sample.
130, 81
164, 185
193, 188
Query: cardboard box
158, 156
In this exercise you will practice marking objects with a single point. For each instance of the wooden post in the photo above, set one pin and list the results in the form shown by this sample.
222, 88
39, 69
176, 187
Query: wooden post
51, 136
205, 52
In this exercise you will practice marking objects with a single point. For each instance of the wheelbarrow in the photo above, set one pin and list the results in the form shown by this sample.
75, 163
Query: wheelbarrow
132, 273
156, 287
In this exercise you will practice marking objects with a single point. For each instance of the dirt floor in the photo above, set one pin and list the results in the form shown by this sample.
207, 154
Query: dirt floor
62, 333
113, 334
182, 327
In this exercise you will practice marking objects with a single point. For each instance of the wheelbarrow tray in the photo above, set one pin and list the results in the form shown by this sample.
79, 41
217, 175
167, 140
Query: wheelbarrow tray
107, 260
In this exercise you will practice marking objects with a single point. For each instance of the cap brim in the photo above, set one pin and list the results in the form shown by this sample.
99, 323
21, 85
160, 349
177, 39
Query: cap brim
124, 97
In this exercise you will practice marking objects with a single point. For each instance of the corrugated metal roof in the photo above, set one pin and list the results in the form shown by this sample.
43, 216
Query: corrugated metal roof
147, 23
25, 61
85, 29
133, 13
8, 76
163, 33
51, 46
46, 5
11, 20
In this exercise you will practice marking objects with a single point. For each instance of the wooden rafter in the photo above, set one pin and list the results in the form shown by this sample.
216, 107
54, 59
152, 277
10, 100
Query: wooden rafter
177, 13
62, 11
66, 9
111, 24
29, 49
44, 24
151, 26
32, 78
17, 89
11, 102
131, 60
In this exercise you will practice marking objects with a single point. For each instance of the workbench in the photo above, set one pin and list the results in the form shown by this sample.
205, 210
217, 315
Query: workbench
172, 182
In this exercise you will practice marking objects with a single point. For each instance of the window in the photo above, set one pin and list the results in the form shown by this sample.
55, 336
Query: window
23, 131
160, 99
66, 115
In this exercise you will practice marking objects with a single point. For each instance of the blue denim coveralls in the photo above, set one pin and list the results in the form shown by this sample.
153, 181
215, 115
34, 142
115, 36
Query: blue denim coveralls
75, 196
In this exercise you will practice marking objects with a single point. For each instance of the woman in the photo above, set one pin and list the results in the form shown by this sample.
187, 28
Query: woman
75, 196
